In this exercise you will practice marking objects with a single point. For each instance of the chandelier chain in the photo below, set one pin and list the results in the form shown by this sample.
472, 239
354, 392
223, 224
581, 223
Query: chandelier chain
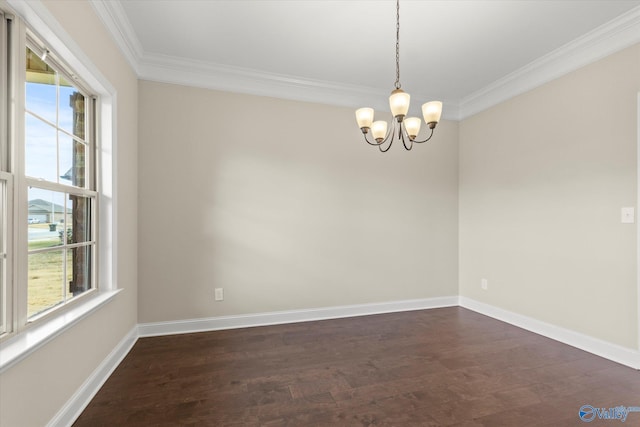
397, 85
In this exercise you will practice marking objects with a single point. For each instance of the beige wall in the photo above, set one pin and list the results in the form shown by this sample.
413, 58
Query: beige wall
35, 389
283, 205
542, 179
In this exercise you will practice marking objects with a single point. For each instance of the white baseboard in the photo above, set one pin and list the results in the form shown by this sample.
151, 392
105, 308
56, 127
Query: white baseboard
291, 316
81, 398
67, 415
614, 352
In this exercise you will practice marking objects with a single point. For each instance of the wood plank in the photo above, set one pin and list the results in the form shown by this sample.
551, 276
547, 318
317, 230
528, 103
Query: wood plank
439, 367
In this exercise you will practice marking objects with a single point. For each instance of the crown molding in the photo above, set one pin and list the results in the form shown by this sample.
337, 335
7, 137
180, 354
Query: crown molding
615, 35
189, 72
115, 20
605, 40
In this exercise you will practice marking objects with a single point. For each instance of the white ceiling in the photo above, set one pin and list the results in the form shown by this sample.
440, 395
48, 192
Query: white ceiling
470, 54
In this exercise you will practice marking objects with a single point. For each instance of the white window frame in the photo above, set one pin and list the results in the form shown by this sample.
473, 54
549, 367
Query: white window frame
6, 185
6, 288
25, 338
25, 182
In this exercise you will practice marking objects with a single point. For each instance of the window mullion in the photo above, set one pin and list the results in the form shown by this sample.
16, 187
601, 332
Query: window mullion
64, 131
65, 251
91, 141
62, 188
57, 80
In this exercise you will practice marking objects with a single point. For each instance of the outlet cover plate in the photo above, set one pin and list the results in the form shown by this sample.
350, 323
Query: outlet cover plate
627, 215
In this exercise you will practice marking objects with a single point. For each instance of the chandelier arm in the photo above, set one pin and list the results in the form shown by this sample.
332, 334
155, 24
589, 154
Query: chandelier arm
390, 137
384, 150
430, 135
390, 133
376, 143
404, 137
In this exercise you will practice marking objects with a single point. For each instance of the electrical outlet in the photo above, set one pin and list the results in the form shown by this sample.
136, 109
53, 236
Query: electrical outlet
627, 215
219, 294
484, 284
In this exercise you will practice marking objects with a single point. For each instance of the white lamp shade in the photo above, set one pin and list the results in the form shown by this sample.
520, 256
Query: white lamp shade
432, 111
399, 102
379, 129
412, 126
364, 117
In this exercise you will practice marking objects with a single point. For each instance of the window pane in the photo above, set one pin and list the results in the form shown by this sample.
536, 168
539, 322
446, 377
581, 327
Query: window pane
41, 150
46, 284
41, 100
46, 218
41, 92
71, 109
79, 270
72, 161
78, 219
55, 109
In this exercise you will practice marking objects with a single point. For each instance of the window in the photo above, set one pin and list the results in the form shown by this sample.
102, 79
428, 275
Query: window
55, 185
6, 182
59, 173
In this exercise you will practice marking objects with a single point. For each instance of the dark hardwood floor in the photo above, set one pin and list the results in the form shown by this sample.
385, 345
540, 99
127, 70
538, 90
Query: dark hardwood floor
441, 367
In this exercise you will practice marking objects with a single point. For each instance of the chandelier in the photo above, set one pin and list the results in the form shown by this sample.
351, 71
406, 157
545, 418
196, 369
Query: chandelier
403, 128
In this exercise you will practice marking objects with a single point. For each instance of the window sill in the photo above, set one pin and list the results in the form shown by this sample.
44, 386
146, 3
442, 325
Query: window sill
23, 344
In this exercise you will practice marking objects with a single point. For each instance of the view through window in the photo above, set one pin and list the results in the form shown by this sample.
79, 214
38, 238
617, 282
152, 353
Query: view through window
59, 174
